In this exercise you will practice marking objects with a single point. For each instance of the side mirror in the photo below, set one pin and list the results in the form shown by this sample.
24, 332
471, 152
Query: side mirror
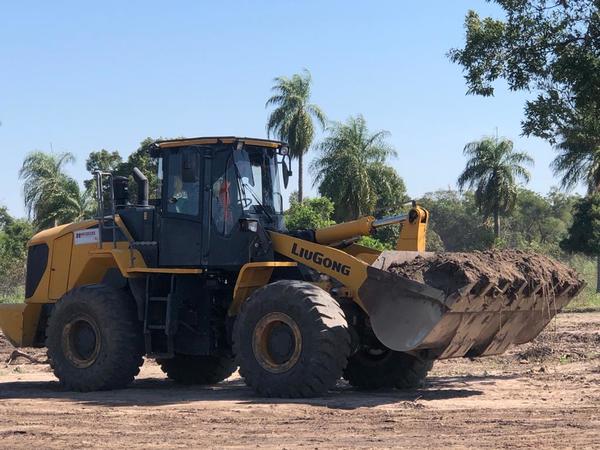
287, 171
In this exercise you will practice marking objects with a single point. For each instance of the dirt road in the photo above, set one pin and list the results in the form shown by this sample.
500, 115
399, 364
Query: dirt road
544, 394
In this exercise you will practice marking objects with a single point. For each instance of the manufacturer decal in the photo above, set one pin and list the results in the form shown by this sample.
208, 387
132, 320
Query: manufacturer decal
320, 259
91, 236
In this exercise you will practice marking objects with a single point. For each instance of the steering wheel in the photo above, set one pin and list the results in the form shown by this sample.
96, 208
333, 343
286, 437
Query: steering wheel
245, 202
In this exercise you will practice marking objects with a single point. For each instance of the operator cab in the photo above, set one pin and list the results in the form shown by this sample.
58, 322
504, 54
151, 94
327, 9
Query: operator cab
217, 196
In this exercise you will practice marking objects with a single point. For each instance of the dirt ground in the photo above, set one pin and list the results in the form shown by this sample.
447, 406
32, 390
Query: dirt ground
544, 394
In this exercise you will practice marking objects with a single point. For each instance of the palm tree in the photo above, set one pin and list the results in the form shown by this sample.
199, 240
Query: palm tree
579, 161
51, 196
493, 169
350, 156
292, 119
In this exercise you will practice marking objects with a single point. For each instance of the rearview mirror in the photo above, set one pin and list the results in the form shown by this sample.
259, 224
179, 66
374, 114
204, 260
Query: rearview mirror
287, 171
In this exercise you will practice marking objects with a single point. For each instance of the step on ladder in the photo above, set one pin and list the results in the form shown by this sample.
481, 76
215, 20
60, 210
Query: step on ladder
160, 322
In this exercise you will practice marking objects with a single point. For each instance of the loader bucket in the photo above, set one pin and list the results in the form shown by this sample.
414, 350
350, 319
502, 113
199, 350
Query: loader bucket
464, 304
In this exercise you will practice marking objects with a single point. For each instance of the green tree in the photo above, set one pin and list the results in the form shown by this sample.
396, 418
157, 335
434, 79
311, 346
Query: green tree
310, 214
579, 161
104, 161
455, 218
551, 48
14, 234
578, 158
493, 169
390, 190
293, 118
51, 196
539, 222
141, 159
584, 233
351, 169
107, 161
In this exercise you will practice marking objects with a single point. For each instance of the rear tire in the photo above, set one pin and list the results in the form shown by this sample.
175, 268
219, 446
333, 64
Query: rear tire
291, 340
188, 369
370, 369
94, 339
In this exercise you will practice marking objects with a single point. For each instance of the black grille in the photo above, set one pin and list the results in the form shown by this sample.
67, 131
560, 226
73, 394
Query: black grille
37, 260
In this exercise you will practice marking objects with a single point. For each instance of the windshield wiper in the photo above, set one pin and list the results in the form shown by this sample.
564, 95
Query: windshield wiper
259, 202
244, 185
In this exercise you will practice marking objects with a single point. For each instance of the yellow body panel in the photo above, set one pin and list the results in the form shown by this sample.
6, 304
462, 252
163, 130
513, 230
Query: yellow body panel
251, 277
348, 270
413, 234
60, 266
346, 230
366, 254
215, 140
19, 322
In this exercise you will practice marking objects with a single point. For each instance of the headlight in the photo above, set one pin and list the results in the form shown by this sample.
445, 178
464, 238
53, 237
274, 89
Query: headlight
249, 225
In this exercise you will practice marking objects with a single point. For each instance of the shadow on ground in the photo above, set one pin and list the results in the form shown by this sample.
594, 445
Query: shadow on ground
159, 391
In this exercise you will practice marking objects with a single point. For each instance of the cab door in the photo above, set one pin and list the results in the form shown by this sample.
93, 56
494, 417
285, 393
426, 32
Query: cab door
180, 233
60, 266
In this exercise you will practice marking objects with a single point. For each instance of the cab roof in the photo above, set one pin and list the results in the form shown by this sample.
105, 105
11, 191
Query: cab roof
218, 140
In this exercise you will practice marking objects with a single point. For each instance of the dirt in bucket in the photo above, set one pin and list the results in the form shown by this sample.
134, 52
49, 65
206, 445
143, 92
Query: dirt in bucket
511, 271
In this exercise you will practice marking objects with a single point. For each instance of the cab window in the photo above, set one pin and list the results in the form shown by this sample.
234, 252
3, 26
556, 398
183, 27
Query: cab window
226, 210
183, 196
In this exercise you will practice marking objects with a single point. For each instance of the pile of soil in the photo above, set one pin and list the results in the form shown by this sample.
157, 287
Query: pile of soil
513, 272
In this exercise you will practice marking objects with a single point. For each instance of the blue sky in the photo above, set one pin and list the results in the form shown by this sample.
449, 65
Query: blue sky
81, 76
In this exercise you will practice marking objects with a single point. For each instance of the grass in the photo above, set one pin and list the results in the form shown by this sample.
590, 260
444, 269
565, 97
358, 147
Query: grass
565, 359
588, 299
17, 296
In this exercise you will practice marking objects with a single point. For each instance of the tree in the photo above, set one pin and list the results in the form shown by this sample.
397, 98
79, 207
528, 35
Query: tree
351, 169
104, 161
293, 116
51, 196
579, 161
539, 223
584, 233
455, 218
550, 48
390, 190
14, 234
579, 156
312, 213
113, 162
493, 169
141, 159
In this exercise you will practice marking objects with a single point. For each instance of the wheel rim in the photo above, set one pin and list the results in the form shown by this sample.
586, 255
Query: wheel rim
81, 341
277, 342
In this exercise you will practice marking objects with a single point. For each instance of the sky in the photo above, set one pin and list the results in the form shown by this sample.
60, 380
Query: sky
82, 76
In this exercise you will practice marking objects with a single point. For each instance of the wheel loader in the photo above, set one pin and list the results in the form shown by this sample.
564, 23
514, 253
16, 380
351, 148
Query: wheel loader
205, 278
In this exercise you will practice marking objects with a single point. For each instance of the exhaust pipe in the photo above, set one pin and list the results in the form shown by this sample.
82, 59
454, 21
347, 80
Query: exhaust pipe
142, 186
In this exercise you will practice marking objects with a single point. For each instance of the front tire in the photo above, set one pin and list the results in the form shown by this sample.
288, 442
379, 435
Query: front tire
371, 368
189, 369
94, 339
291, 340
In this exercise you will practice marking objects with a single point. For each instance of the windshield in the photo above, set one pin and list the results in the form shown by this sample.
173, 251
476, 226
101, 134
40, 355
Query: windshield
259, 180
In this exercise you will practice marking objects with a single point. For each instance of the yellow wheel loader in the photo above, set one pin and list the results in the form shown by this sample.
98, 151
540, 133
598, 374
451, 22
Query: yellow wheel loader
206, 278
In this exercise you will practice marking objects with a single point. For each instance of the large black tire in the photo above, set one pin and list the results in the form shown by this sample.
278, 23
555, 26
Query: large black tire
367, 369
188, 369
94, 339
291, 340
